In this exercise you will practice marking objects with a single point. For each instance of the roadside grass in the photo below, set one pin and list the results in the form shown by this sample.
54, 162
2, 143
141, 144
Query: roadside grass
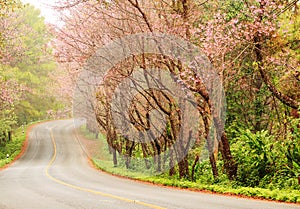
223, 186
292, 196
12, 148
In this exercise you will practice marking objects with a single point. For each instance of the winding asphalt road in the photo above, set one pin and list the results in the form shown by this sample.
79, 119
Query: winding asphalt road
54, 173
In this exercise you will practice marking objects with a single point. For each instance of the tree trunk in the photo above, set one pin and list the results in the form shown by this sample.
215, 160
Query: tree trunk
193, 167
10, 136
212, 159
172, 164
183, 166
229, 163
115, 160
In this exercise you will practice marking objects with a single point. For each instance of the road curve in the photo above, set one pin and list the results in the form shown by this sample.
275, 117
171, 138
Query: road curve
54, 173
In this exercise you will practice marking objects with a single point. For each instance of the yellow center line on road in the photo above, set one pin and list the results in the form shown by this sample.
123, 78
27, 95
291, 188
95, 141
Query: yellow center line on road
89, 190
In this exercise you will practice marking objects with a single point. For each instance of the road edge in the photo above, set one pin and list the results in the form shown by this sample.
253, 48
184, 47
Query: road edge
24, 146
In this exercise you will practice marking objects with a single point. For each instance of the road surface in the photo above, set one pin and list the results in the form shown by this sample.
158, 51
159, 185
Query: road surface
54, 173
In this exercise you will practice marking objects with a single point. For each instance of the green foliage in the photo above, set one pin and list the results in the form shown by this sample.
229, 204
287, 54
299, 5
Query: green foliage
266, 162
291, 148
12, 148
255, 155
8, 98
7, 121
31, 65
35, 67
233, 9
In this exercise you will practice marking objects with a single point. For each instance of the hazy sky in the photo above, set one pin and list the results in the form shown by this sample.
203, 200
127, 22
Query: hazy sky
46, 10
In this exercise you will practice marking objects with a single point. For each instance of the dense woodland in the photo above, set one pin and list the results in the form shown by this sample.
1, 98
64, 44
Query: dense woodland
253, 46
26, 68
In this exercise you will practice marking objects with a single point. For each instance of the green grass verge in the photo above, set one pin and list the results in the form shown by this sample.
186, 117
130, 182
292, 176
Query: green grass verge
12, 148
292, 196
276, 194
